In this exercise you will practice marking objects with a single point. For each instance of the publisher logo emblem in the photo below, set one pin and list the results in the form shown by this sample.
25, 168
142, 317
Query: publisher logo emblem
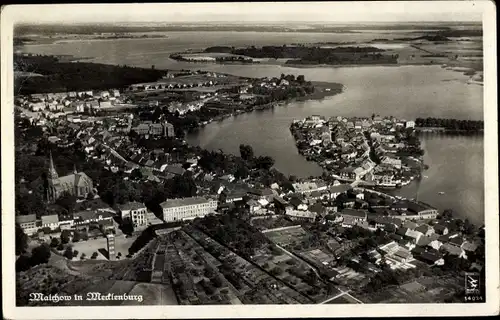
471, 283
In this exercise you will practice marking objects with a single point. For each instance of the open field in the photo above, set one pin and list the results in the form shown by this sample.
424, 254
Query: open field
122, 244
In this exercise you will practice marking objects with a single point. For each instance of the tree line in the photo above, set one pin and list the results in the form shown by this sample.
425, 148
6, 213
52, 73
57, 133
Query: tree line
61, 76
450, 124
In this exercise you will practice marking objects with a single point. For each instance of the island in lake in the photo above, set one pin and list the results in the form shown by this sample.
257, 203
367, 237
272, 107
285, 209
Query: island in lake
375, 151
294, 55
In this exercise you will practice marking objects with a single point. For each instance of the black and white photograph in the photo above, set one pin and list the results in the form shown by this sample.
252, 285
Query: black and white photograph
337, 157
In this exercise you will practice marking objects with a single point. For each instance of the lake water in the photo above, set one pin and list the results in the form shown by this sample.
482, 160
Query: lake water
405, 92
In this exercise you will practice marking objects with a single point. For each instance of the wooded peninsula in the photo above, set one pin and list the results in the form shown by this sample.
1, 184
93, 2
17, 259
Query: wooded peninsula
312, 55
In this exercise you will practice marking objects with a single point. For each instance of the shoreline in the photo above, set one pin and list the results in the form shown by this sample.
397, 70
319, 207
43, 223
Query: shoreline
335, 89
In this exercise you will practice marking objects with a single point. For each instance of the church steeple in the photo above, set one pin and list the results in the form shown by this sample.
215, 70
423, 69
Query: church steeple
52, 169
74, 169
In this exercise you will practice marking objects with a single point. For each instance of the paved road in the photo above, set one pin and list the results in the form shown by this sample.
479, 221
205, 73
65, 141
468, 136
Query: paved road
342, 293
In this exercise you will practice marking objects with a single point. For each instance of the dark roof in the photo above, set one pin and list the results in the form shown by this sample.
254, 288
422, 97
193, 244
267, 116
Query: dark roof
295, 202
457, 240
400, 205
417, 207
422, 228
353, 213
423, 241
395, 236
131, 206
175, 170
430, 257
262, 192
401, 231
444, 238
317, 208
418, 250
439, 227
280, 200
92, 214
410, 224
340, 188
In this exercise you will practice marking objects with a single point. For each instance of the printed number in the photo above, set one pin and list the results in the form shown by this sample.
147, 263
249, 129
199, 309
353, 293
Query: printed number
474, 298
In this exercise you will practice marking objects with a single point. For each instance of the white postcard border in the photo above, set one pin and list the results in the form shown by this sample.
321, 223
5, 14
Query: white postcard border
491, 307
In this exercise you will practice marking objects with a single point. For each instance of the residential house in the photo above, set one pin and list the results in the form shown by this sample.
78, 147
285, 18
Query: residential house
414, 235
337, 190
265, 193
301, 215
440, 229
308, 187
469, 246
453, 250
432, 242
431, 258
456, 241
356, 215
425, 229
410, 224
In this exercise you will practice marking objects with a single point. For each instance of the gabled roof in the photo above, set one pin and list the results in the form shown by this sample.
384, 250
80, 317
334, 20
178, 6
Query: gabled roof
339, 188
430, 257
91, 214
26, 218
131, 206
410, 224
469, 246
444, 238
418, 250
50, 219
439, 227
423, 241
402, 231
457, 241
353, 213
422, 228
451, 249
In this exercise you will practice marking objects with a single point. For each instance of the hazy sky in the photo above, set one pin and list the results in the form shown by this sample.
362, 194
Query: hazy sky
256, 12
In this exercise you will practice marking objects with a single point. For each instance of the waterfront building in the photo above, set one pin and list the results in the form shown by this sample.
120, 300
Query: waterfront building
155, 129
187, 208
308, 187
410, 124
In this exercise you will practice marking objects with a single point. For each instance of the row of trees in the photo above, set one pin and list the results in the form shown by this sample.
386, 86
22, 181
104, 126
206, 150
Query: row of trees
299, 52
451, 124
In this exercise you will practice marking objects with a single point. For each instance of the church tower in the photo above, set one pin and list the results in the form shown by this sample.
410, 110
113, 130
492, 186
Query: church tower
52, 174
52, 180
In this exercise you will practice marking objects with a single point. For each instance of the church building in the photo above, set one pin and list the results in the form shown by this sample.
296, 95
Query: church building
53, 186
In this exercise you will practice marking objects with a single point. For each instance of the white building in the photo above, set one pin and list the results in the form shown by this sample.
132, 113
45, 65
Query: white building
187, 208
410, 124
135, 211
